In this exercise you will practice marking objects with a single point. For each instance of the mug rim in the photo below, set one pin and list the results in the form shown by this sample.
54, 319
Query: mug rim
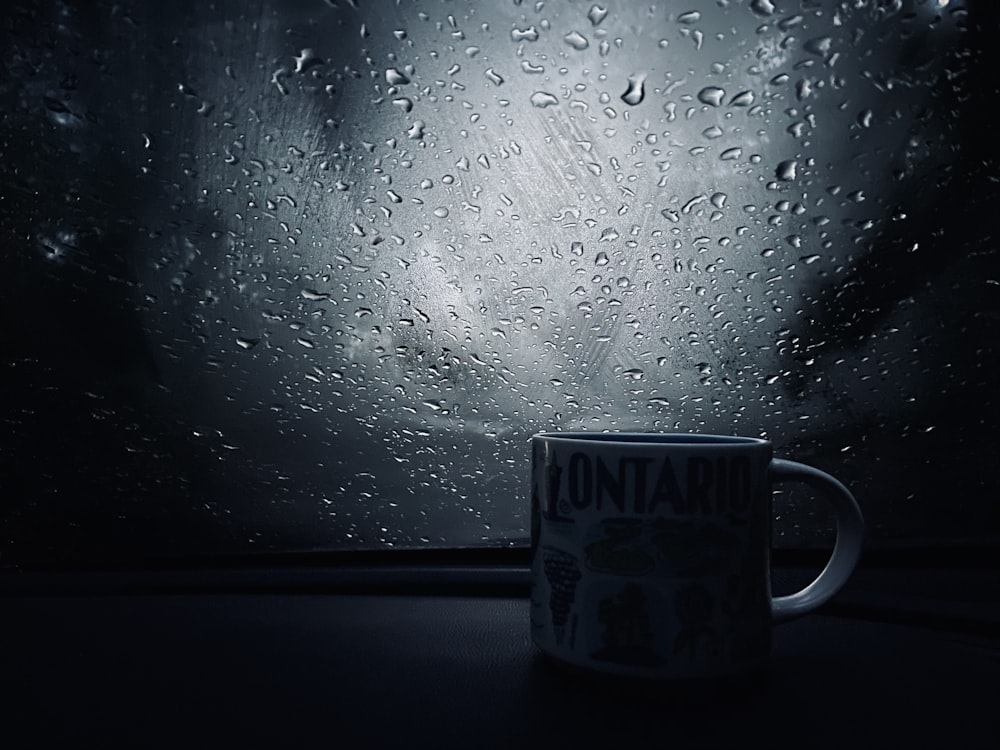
685, 439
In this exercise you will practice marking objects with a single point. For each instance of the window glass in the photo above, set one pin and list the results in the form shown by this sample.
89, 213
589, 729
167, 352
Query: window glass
302, 275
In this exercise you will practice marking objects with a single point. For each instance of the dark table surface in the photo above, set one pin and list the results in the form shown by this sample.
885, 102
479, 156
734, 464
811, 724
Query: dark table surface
442, 658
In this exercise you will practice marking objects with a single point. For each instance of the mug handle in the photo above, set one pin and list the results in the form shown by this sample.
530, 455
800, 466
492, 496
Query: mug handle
846, 551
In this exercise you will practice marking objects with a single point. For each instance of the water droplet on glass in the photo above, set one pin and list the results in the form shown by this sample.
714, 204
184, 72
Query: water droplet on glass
635, 92
306, 59
711, 95
394, 77
602, 259
692, 203
426, 184
416, 130
608, 235
692, 16
441, 212
791, 22
865, 118
483, 161
731, 154
403, 103
712, 132
819, 46
246, 343
786, 170
54, 105
313, 296
762, 7
633, 373
742, 99
596, 14
576, 40
529, 34
277, 78
542, 99
576, 248
719, 200
494, 77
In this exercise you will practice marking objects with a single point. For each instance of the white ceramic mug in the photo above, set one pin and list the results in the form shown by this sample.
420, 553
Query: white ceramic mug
650, 552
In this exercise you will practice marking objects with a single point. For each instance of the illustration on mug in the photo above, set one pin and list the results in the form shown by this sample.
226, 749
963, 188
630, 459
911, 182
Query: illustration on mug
627, 633
563, 574
618, 552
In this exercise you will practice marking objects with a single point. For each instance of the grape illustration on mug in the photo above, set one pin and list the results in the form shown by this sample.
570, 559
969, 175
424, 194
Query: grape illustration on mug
563, 573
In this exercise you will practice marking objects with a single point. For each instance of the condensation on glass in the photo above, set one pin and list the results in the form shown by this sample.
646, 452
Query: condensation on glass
309, 274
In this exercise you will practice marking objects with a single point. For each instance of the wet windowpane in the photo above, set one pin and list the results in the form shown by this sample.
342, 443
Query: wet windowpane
302, 275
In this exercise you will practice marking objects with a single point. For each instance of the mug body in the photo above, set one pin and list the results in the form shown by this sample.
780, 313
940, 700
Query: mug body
650, 552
